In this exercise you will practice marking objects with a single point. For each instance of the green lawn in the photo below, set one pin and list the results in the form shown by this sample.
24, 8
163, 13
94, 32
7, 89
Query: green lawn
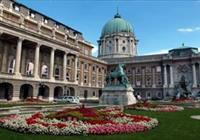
173, 126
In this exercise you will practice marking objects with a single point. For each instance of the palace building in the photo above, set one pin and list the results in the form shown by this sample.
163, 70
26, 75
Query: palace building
151, 76
43, 58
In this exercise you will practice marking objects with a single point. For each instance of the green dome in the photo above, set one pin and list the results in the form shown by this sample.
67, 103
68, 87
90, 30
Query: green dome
116, 25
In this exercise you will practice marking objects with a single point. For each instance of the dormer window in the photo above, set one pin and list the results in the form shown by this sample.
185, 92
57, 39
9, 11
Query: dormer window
57, 26
16, 7
74, 34
67, 31
32, 15
46, 21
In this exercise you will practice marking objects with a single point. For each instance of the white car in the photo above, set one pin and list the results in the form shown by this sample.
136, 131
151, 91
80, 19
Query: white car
68, 99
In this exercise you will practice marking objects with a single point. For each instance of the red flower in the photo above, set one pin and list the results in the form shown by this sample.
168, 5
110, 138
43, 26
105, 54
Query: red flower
99, 122
59, 125
140, 118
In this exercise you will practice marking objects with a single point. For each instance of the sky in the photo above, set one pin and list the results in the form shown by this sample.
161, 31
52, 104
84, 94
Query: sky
159, 25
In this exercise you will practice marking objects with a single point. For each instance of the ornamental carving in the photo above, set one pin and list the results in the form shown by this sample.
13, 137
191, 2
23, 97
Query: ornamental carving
183, 68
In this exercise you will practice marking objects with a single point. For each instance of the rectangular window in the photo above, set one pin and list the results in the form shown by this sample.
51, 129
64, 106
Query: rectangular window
85, 78
86, 66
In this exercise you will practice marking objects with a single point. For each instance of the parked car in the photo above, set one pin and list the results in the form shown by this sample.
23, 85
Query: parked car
68, 99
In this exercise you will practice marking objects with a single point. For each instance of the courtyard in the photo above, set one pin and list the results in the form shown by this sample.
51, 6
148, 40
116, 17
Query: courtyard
126, 78
172, 125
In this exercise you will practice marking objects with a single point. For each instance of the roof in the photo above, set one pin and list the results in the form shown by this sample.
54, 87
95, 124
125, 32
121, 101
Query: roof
20, 4
116, 25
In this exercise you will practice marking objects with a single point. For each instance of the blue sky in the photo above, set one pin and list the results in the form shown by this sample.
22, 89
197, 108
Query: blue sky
159, 25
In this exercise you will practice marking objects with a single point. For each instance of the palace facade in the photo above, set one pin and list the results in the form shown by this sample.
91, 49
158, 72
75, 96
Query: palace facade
43, 58
151, 76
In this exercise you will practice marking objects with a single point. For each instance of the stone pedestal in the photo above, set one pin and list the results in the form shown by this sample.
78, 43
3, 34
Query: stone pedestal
117, 95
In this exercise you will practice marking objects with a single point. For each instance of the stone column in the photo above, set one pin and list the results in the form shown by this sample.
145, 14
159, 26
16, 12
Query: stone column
99, 48
194, 75
97, 76
90, 74
114, 44
165, 76
103, 77
52, 64
64, 66
37, 59
104, 47
143, 77
153, 78
199, 74
171, 77
82, 72
18, 56
16, 93
4, 59
75, 68
129, 46
51, 93
133, 76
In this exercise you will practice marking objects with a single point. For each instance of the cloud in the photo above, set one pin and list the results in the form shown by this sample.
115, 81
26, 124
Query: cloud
94, 50
163, 51
188, 29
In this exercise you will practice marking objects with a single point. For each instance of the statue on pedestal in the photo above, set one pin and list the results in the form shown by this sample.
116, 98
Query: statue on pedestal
117, 91
183, 89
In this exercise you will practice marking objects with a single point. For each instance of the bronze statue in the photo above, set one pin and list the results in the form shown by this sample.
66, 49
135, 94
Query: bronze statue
118, 74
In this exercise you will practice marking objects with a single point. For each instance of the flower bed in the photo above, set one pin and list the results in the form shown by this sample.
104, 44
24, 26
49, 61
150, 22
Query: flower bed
79, 121
153, 107
183, 100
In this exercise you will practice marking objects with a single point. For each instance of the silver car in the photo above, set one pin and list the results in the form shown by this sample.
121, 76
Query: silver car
68, 99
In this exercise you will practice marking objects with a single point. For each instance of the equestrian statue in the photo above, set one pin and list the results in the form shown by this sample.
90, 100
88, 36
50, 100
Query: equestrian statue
118, 74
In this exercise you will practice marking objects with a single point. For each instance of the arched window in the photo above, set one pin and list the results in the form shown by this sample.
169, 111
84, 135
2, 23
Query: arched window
123, 49
44, 71
11, 66
29, 69
57, 72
